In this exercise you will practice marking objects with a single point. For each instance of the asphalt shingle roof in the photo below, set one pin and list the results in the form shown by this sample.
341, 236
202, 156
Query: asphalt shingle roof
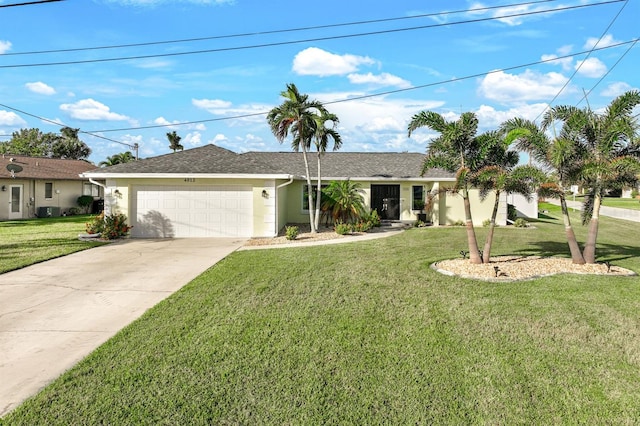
212, 159
44, 168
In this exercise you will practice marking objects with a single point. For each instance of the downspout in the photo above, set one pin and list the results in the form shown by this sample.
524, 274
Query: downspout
282, 185
98, 184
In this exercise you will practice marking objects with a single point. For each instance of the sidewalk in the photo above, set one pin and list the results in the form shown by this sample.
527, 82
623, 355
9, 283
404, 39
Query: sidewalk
614, 212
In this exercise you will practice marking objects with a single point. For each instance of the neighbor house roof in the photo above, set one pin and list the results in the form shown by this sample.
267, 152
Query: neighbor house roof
43, 168
214, 160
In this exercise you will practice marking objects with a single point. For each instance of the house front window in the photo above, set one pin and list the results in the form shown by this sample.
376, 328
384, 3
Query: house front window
48, 190
417, 200
305, 195
90, 189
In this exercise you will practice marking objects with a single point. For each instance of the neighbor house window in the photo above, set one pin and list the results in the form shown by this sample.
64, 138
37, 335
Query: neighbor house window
48, 190
305, 195
90, 189
417, 202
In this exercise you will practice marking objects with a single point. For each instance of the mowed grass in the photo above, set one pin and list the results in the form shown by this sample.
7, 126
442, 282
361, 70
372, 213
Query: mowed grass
368, 333
623, 203
25, 242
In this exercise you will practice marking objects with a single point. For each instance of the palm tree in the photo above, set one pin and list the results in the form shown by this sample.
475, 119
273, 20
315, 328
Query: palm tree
297, 115
458, 150
123, 157
606, 138
321, 139
174, 141
344, 200
501, 175
559, 156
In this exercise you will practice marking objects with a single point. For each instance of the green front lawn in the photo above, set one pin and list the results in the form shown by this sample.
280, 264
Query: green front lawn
25, 242
367, 333
623, 203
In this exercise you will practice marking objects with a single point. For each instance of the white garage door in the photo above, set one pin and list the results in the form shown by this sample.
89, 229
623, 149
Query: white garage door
187, 212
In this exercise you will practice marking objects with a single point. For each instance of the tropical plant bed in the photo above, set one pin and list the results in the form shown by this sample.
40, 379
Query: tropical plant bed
513, 268
306, 236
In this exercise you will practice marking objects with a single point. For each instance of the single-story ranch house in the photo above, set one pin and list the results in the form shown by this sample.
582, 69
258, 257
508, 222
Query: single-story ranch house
40, 186
213, 192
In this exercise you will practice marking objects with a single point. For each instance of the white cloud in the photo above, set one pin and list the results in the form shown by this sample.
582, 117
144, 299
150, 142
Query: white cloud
375, 115
566, 63
192, 140
41, 88
528, 86
11, 119
489, 118
153, 64
241, 144
616, 89
214, 106
384, 79
591, 67
90, 109
247, 113
5, 46
318, 62
606, 41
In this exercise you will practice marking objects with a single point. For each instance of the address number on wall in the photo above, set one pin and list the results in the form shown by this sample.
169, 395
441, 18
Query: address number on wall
189, 179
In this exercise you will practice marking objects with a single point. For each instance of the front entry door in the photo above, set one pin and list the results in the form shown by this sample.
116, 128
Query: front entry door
386, 200
15, 204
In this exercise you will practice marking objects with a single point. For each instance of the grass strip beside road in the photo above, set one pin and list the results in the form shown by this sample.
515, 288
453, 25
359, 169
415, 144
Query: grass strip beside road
368, 333
25, 242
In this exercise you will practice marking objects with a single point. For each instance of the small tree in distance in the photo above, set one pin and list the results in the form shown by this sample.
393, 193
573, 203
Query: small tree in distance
174, 141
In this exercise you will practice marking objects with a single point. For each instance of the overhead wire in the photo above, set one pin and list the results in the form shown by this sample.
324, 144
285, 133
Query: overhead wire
577, 69
586, 95
373, 95
309, 40
60, 124
280, 31
29, 3
94, 132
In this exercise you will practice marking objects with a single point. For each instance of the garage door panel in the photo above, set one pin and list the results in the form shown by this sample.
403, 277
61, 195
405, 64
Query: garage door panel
183, 212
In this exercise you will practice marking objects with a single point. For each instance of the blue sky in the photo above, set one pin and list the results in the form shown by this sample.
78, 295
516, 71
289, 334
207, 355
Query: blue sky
442, 62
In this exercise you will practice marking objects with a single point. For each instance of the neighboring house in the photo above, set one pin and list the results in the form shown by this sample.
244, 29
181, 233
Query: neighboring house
213, 192
37, 186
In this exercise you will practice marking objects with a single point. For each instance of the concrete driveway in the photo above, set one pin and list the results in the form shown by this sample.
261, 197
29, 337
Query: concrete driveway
55, 313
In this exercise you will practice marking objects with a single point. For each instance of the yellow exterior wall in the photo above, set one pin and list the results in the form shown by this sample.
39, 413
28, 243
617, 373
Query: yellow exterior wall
450, 208
265, 222
276, 207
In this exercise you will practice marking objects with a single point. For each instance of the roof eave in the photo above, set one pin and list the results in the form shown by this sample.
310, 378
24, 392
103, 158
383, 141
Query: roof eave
184, 175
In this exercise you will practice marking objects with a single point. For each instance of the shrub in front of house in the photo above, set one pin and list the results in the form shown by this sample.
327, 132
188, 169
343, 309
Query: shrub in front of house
343, 228
110, 227
291, 232
362, 226
85, 202
520, 223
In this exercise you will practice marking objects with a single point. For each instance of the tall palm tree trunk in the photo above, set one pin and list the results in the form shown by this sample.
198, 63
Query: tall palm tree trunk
486, 253
312, 222
318, 196
474, 253
589, 252
576, 254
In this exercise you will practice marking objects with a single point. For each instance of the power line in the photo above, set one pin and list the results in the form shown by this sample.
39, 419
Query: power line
287, 30
575, 72
609, 71
57, 123
309, 40
29, 3
373, 95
